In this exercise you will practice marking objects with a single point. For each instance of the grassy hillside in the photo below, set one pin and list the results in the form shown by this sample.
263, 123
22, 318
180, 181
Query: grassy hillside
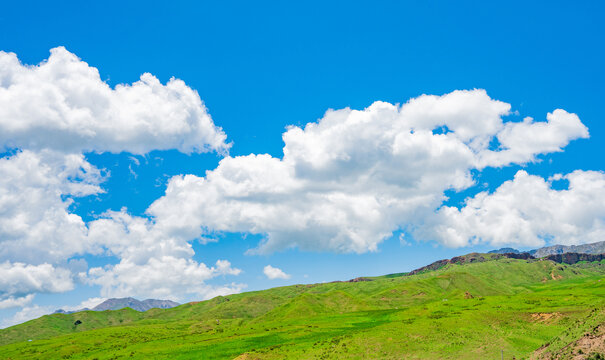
471, 310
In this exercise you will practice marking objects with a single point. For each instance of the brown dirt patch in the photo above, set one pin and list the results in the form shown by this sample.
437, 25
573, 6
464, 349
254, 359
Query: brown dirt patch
591, 343
545, 317
555, 277
246, 356
581, 349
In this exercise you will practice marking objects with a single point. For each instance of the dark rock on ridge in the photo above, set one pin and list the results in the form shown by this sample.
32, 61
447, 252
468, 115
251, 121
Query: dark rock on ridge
567, 258
470, 258
573, 258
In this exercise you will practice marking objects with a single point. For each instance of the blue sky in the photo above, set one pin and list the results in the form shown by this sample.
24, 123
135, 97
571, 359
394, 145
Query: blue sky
260, 68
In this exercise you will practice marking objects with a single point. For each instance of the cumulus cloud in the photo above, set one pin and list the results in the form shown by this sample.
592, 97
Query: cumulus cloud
19, 281
274, 273
526, 211
36, 225
55, 111
164, 278
12, 301
155, 261
521, 142
347, 181
63, 104
50, 115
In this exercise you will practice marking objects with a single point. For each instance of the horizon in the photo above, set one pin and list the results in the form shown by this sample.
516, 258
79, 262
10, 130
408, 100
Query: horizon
193, 150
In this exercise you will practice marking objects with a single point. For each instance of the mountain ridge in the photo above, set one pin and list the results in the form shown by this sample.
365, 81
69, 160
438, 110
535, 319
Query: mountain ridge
127, 302
591, 248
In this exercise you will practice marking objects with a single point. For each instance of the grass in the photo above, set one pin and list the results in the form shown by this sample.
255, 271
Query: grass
470, 311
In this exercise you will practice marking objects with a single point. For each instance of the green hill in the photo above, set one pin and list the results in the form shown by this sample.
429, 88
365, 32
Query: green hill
470, 307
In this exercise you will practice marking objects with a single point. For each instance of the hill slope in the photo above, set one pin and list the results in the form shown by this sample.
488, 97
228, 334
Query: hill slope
468, 309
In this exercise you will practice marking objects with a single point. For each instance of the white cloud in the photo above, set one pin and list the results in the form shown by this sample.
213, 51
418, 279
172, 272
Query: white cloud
19, 281
155, 261
86, 304
63, 104
521, 142
274, 273
135, 239
54, 112
35, 188
12, 301
36, 227
161, 278
527, 211
349, 180
26, 314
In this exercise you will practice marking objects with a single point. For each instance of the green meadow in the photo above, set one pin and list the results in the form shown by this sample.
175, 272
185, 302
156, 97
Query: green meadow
473, 310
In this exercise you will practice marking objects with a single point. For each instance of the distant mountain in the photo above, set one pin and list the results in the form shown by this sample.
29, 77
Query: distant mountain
61, 311
505, 251
116, 304
594, 248
121, 303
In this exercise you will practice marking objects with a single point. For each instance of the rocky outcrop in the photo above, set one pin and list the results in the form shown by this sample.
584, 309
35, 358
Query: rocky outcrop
522, 256
573, 258
470, 258
359, 279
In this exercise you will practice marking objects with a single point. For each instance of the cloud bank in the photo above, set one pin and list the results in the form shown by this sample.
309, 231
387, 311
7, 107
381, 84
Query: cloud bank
19, 281
527, 211
160, 278
36, 225
349, 180
51, 114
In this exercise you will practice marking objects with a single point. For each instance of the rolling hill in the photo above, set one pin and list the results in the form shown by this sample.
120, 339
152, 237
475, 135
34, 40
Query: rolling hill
470, 307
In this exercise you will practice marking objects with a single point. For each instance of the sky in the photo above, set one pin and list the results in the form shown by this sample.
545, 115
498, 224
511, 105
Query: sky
185, 150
